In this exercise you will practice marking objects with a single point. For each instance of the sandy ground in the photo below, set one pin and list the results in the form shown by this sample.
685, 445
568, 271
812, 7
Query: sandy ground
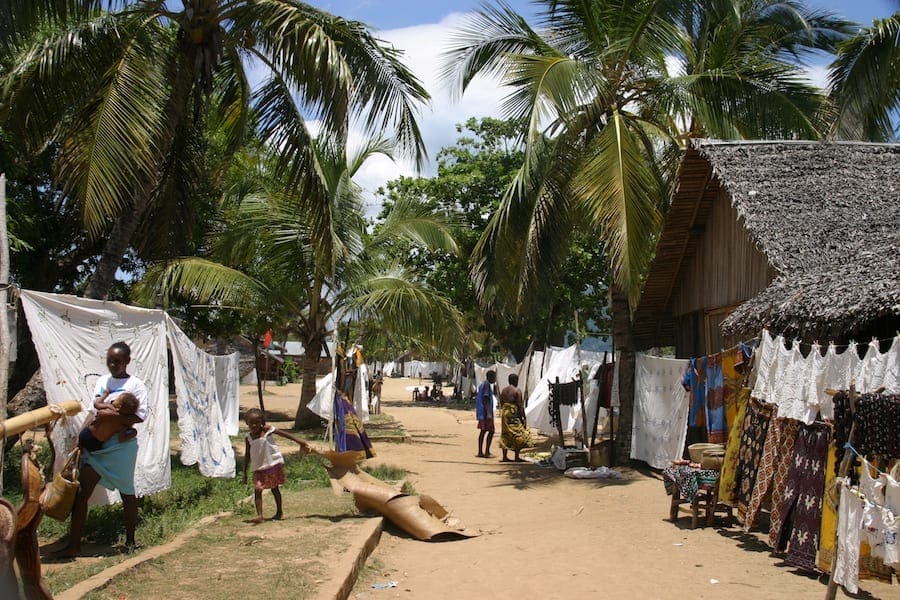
547, 536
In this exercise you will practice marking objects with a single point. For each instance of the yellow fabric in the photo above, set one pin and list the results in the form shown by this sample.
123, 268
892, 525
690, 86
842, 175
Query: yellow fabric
733, 383
514, 434
732, 449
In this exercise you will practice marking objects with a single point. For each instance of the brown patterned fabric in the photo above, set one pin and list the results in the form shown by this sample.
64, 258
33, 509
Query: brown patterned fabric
753, 437
765, 474
786, 438
727, 483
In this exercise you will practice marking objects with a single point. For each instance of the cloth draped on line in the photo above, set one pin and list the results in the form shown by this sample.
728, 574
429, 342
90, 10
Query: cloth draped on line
716, 428
660, 420
801, 506
868, 566
786, 437
228, 390
754, 432
695, 380
350, 435
514, 433
71, 336
877, 423
727, 482
204, 438
765, 472
798, 384
562, 394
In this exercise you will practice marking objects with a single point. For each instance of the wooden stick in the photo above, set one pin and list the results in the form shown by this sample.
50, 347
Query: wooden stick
39, 416
844, 470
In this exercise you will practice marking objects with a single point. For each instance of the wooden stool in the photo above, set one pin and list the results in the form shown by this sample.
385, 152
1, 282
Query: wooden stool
707, 498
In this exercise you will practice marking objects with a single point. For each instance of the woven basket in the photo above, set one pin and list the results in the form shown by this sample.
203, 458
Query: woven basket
712, 459
696, 450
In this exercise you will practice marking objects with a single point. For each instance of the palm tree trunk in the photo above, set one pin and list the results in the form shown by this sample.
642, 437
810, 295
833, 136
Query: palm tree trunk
621, 322
126, 224
307, 419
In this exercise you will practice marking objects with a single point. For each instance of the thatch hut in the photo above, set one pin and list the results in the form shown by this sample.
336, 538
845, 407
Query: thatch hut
799, 237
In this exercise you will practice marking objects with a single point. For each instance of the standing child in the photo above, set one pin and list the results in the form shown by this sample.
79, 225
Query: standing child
261, 454
484, 412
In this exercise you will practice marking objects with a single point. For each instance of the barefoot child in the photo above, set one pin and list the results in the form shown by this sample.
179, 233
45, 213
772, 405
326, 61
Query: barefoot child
104, 425
261, 454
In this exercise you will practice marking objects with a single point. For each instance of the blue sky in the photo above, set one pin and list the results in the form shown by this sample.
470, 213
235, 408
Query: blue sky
420, 28
391, 14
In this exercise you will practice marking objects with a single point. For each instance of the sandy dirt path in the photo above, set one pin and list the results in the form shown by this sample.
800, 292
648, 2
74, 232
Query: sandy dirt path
547, 536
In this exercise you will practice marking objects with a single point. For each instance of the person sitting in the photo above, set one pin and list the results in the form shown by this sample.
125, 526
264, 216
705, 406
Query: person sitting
105, 423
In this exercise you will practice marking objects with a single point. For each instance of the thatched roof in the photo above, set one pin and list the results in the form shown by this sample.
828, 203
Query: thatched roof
827, 217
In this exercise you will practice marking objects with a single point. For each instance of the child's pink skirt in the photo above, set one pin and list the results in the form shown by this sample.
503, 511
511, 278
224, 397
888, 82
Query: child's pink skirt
266, 479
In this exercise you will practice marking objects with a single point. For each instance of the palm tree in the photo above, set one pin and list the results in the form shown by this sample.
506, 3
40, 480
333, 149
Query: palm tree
267, 260
606, 120
125, 85
865, 83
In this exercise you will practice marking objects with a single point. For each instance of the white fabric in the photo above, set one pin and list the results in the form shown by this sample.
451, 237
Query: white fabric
424, 369
71, 336
264, 452
849, 527
598, 473
661, 408
361, 393
228, 390
798, 384
323, 402
563, 364
204, 439
119, 385
389, 368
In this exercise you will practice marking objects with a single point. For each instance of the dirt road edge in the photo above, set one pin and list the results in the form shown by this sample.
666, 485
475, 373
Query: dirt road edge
348, 566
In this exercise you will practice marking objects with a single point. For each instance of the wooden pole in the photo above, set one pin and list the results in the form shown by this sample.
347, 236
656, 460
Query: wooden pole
259, 389
4, 317
39, 416
846, 461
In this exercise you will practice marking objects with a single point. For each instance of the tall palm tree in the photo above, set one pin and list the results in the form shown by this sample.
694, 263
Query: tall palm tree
266, 259
865, 83
124, 83
606, 117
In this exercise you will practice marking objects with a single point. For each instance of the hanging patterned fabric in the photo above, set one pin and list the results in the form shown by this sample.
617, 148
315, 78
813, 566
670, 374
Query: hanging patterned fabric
803, 499
717, 431
695, 380
765, 473
787, 436
753, 436
727, 483
562, 394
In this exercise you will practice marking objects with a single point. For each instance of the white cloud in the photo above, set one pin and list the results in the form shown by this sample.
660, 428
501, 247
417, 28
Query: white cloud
423, 46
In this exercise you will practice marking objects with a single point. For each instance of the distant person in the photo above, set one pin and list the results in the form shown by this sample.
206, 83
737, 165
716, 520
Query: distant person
261, 455
484, 412
514, 433
375, 395
105, 423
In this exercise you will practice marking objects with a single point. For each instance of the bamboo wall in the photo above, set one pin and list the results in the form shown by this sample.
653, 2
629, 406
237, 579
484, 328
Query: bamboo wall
725, 270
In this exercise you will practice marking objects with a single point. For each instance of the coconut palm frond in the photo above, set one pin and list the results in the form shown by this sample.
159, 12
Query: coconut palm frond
865, 83
202, 280
617, 185
418, 224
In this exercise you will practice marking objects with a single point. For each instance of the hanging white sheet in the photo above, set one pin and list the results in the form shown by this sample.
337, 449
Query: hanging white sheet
563, 364
660, 410
204, 439
323, 402
797, 384
228, 390
71, 336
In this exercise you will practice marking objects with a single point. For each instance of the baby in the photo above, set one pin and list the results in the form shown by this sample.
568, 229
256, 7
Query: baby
105, 423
